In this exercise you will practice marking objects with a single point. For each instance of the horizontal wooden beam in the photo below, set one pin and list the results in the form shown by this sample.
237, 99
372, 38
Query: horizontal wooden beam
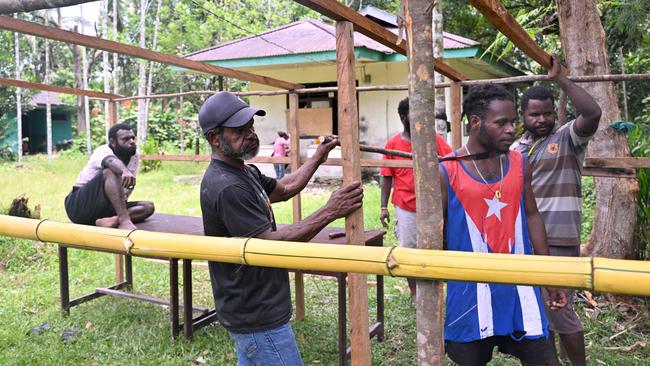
623, 162
499, 16
338, 11
58, 89
39, 30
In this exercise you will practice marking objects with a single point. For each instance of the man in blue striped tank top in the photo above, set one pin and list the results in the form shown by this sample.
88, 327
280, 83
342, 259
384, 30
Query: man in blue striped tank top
489, 207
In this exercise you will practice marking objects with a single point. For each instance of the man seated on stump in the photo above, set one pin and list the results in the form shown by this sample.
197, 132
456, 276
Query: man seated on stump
99, 197
254, 303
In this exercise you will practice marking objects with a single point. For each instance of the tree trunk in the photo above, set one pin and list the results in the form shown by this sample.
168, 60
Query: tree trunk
15, 6
116, 65
84, 75
429, 295
19, 107
142, 78
438, 51
584, 44
106, 73
48, 106
150, 65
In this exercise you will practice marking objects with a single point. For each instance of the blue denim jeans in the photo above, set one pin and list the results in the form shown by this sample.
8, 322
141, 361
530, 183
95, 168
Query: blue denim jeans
272, 347
279, 170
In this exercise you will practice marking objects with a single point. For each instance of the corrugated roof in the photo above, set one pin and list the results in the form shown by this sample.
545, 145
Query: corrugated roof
42, 98
305, 36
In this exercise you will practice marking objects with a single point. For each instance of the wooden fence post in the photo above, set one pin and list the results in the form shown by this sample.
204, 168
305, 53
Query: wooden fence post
350, 154
456, 96
430, 296
294, 132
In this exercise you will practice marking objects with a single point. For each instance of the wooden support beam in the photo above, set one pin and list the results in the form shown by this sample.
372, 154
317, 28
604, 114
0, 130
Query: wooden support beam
622, 162
112, 114
456, 97
349, 132
339, 12
296, 204
429, 302
499, 16
39, 30
58, 89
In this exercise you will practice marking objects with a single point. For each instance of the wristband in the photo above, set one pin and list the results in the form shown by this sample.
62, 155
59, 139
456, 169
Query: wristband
384, 208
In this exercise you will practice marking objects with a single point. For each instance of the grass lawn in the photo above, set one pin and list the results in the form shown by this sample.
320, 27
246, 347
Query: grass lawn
121, 331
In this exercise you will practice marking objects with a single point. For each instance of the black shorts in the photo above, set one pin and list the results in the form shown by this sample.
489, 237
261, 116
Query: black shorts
535, 351
88, 203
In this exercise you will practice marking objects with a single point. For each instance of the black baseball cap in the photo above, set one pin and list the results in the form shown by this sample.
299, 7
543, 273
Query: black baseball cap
225, 109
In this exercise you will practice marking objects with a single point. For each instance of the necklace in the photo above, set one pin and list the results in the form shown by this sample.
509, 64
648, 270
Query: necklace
497, 193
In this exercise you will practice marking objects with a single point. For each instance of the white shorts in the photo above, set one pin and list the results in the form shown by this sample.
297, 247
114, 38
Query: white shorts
405, 229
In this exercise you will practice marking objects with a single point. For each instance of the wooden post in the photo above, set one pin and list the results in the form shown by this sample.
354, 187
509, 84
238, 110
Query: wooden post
112, 120
456, 96
430, 296
350, 154
296, 202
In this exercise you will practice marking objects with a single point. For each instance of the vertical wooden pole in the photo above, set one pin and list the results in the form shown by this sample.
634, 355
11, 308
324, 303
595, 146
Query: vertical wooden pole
296, 201
456, 112
430, 295
111, 121
349, 132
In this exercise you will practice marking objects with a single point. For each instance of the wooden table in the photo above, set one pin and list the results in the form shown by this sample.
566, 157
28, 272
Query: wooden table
194, 226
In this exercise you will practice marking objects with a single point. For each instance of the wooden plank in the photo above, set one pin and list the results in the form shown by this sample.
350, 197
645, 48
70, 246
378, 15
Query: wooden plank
608, 172
314, 121
338, 11
622, 162
456, 97
39, 30
58, 89
349, 132
499, 16
429, 300
296, 204
112, 113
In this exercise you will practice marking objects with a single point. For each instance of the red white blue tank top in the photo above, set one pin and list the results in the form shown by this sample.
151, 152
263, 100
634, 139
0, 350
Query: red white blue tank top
478, 220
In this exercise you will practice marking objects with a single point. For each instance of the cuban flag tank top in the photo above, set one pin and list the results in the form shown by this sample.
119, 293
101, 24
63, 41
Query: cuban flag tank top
479, 221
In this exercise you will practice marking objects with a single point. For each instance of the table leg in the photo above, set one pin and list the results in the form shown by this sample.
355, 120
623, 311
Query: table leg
64, 286
188, 318
173, 297
380, 307
340, 278
128, 268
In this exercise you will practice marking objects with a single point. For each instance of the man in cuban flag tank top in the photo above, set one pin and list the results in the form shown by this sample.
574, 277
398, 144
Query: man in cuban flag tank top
490, 208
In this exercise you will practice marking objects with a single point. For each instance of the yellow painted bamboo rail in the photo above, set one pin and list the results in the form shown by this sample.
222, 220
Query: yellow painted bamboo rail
596, 274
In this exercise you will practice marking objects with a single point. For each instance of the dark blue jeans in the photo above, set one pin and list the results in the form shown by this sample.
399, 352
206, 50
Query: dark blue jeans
272, 347
279, 170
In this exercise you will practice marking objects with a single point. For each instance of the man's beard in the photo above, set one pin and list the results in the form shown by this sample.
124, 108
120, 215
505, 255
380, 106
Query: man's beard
229, 152
124, 153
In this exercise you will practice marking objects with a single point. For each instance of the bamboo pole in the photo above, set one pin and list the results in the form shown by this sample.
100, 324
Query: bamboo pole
429, 299
456, 115
296, 204
588, 273
349, 132
58, 89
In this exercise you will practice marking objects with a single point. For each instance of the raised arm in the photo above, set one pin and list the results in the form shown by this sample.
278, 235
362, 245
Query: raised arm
117, 166
293, 183
342, 202
589, 112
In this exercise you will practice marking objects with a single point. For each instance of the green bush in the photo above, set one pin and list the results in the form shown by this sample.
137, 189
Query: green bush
640, 147
150, 148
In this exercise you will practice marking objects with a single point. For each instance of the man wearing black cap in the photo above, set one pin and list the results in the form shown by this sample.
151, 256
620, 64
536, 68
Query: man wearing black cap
254, 303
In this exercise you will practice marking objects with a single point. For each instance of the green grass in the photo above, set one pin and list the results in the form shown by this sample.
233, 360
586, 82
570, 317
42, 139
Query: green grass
120, 331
